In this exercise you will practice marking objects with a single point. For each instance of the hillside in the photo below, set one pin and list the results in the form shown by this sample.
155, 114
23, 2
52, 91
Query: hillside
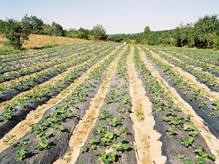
38, 42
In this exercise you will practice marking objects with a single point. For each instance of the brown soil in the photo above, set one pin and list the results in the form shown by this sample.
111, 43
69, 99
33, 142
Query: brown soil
147, 144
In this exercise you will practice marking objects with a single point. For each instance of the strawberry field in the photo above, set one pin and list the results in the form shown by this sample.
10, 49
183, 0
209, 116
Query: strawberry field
109, 103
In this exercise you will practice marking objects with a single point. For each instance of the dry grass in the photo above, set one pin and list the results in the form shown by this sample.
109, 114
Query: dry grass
44, 40
2, 40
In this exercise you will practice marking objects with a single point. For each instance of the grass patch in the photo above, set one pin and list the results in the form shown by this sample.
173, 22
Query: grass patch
8, 50
37, 42
45, 46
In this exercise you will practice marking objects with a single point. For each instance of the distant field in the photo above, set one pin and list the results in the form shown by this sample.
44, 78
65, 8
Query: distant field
108, 103
38, 41
42, 40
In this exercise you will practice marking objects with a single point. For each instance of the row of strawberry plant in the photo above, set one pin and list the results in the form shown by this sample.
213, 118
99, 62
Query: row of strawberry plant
182, 142
36, 54
14, 87
206, 109
206, 56
48, 139
17, 109
62, 53
35, 57
13, 67
34, 68
24, 54
204, 77
213, 69
111, 139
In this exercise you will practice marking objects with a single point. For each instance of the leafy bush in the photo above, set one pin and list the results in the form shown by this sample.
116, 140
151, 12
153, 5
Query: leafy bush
16, 32
99, 33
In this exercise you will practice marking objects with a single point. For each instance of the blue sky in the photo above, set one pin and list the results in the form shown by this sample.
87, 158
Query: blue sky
117, 16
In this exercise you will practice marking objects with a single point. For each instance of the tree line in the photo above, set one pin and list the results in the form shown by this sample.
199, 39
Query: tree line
202, 34
17, 31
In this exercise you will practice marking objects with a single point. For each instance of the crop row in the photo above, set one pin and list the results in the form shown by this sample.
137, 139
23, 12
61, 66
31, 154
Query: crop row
213, 69
37, 57
206, 56
111, 139
26, 70
181, 140
63, 52
206, 109
48, 139
17, 109
204, 77
37, 54
12, 88
23, 55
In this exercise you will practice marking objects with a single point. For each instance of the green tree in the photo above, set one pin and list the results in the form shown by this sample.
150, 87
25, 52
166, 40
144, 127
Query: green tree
83, 33
2, 26
73, 33
34, 23
185, 35
47, 29
98, 32
16, 32
147, 30
206, 30
56, 29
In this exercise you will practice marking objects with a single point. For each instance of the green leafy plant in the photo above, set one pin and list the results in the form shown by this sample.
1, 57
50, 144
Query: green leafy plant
107, 158
94, 141
84, 149
22, 153
107, 138
215, 105
112, 97
101, 128
38, 129
202, 154
123, 129
193, 132
104, 115
8, 112
122, 110
115, 122
43, 143
188, 161
124, 100
188, 142
55, 121
121, 146
170, 133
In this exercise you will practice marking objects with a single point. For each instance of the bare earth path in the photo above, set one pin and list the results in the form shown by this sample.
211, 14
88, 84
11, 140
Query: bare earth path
148, 146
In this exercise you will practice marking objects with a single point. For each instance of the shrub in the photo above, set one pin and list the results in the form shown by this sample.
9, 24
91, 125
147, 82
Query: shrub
16, 32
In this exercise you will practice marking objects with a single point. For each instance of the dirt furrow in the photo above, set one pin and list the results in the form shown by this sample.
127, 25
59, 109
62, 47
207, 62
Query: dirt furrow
148, 146
211, 140
56, 63
216, 68
51, 81
84, 127
212, 96
35, 116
